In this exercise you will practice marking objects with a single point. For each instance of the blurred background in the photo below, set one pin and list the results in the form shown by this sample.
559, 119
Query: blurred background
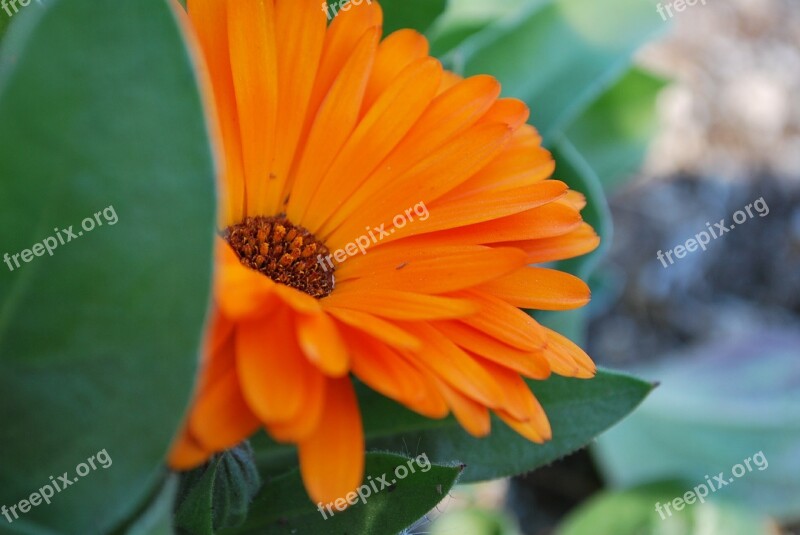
719, 329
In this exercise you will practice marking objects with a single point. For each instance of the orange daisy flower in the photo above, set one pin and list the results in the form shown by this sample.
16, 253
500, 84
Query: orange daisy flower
379, 222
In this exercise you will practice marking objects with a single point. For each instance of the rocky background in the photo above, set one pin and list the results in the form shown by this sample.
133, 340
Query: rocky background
729, 135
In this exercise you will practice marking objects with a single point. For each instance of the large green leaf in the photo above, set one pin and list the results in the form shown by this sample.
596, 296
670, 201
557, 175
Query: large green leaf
4, 22
282, 506
416, 14
613, 134
579, 410
636, 512
99, 114
559, 55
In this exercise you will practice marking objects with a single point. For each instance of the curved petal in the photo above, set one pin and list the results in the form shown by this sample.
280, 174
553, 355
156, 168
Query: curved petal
332, 457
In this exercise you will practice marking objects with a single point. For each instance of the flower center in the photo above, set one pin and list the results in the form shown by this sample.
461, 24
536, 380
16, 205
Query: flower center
284, 252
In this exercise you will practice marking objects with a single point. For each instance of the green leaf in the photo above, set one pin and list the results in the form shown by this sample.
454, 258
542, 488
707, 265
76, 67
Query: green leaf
613, 134
16, 11
283, 506
464, 18
572, 168
4, 22
559, 55
416, 14
218, 494
99, 122
732, 406
195, 513
578, 410
156, 519
633, 512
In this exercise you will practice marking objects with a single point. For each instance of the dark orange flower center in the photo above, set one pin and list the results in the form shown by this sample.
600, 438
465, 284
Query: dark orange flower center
284, 252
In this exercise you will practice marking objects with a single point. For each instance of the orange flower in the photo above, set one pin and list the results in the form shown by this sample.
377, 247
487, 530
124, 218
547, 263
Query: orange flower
379, 221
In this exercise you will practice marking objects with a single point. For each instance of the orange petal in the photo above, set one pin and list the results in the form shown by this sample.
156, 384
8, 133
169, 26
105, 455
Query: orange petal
449, 116
504, 322
341, 41
254, 63
321, 342
332, 458
536, 430
299, 301
221, 417
302, 427
472, 416
301, 28
519, 402
272, 370
561, 349
209, 20
218, 333
439, 271
485, 206
542, 222
386, 123
575, 199
531, 364
395, 53
440, 172
382, 330
400, 305
186, 453
540, 288
578, 242
511, 111
515, 167
240, 291
333, 125
451, 364
385, 371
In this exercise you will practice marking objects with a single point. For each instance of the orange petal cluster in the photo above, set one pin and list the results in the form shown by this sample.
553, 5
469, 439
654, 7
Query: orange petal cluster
341, 131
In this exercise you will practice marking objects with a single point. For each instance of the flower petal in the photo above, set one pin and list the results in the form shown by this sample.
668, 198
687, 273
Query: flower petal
322, 344
332, 457
540, 288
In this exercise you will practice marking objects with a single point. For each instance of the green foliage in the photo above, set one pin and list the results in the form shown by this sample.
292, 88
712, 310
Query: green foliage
613, 133
559, 56
578, 411
416, 14
99, 343
282, 506
218, 494
156, 517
